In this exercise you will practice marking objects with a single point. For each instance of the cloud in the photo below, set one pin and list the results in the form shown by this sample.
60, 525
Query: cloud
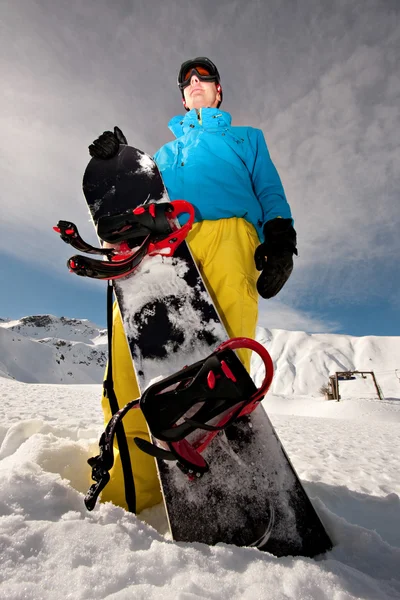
321, 81
338, 151
275, 314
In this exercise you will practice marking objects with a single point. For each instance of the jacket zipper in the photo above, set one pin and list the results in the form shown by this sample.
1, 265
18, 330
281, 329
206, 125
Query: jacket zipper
198, 110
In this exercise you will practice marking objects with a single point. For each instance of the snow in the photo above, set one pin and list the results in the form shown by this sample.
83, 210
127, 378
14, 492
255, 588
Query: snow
146, 164
346, 453
48, 349
305, 360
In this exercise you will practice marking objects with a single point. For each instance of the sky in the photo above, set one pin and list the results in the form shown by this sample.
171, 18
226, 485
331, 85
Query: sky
321, 80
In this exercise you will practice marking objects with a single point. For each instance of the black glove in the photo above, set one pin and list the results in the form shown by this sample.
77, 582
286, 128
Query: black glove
107, 144
274, 258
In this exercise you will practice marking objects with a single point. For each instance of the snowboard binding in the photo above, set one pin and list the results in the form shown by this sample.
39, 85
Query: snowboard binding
185, 411
147, 230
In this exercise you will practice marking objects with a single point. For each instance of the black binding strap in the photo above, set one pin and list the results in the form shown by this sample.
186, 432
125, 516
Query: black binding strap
103, 462
130, 493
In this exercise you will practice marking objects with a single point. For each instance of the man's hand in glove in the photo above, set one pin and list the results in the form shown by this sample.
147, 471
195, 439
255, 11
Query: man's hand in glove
274, 258
107, 144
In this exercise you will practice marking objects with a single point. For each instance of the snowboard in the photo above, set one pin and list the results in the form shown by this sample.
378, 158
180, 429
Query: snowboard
251, 495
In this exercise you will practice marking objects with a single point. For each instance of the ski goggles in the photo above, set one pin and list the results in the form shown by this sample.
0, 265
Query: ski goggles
204, 73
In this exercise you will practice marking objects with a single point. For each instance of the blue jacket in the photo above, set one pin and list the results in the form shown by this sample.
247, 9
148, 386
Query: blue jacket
223, 171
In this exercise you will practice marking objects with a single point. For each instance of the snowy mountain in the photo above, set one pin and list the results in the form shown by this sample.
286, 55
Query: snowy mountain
48, 349
304, 361
345, 453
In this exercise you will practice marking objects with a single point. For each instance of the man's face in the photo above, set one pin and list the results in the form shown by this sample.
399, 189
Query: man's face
201, 94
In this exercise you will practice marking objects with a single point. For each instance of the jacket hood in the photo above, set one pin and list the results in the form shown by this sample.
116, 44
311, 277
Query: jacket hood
210, 118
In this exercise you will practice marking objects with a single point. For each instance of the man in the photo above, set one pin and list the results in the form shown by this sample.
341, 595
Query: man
243, 224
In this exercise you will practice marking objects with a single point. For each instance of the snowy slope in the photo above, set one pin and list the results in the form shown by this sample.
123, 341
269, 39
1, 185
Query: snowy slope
74, 351
346, 454
48, 349
51, 548
304, 361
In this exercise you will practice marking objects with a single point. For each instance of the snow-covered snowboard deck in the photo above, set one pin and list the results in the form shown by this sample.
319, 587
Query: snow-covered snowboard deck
251, 495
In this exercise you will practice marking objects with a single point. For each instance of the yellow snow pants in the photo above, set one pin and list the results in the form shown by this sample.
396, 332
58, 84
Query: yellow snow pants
224, 253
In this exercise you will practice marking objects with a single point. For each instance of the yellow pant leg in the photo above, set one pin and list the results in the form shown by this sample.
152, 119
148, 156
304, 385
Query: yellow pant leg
141, 465
224, 252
